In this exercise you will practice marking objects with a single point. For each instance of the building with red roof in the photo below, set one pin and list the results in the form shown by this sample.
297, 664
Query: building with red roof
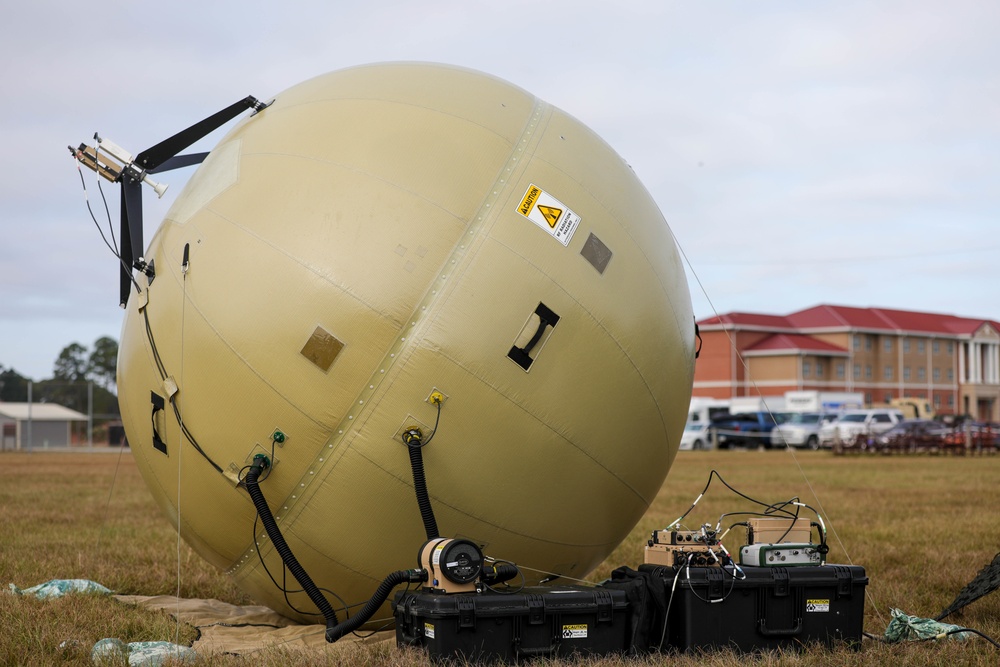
953, 362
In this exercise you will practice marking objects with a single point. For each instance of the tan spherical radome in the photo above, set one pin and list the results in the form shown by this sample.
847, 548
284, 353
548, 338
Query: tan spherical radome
376, 236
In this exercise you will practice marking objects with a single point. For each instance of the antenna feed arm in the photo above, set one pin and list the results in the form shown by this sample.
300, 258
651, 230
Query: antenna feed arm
113, 162
140, 175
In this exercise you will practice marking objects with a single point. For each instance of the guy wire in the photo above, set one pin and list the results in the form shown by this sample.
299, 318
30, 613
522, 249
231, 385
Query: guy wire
177, 630
756, 388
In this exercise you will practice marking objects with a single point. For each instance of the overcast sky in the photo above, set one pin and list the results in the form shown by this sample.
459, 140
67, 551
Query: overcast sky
802, 152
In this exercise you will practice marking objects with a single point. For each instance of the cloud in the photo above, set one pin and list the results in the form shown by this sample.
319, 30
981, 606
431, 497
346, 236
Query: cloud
807, 138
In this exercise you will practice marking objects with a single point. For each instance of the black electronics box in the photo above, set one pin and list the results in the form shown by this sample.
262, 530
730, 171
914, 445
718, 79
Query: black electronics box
534, 622
762, 608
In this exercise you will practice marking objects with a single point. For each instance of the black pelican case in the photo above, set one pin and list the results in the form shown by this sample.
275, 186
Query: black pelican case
495, 627
761, 609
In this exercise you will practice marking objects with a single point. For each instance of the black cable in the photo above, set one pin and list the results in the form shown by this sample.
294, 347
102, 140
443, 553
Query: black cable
112, 247
278, 540
715, 473
958, 631
384, 626
436, 420
187, 433
283, 585
954, 631
742, 495
504, 571
152, 344
104, 200
163, 376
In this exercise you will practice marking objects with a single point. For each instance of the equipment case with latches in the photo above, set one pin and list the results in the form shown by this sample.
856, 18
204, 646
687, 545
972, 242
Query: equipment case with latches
535, 622
769, 608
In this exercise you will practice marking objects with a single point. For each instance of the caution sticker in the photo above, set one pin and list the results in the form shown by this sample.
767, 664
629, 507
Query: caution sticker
821, 606
578, 631
429, 630
549, 213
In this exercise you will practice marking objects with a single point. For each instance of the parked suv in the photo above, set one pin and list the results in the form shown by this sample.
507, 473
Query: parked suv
745, 429
852, 423
801, 429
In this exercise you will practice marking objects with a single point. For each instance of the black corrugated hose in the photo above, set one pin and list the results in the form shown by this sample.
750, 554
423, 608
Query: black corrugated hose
413, 443
287, 557
380, 596
501, 573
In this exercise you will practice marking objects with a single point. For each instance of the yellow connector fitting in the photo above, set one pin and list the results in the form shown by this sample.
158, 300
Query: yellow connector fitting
436, 397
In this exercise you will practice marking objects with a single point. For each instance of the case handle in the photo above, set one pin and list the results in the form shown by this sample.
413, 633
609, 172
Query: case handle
535, 651
797, 604
784, 632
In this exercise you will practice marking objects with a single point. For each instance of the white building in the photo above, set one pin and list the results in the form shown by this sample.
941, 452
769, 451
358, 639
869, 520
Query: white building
36, 425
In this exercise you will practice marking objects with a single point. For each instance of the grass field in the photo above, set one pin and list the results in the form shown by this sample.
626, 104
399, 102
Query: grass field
921, 526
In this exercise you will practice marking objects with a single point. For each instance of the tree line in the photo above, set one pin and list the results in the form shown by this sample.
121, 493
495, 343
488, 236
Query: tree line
73, 371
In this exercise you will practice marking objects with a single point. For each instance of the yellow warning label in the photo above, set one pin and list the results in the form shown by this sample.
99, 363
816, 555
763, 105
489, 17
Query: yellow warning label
529, 199
551, 214
576, 631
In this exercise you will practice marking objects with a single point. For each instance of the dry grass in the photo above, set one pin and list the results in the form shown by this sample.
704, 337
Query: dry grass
922, 527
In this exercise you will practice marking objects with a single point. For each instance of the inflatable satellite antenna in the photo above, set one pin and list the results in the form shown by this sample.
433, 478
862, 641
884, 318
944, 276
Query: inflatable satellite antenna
384, 255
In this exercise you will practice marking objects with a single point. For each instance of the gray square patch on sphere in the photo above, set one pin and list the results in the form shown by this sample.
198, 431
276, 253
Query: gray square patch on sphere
595, 252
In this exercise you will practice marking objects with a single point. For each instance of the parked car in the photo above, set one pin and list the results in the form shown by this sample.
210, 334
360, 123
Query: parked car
695, 436
978, 435
745, 429
853, 423
801, 429
913, 434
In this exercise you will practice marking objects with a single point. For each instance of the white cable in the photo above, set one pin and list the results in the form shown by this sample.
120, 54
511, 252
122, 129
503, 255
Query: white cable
179, 449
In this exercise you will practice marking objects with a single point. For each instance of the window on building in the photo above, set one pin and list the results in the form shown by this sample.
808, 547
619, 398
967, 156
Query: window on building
921, 346
840, 370
951, 401
951, 347
887, 344
887, 398
951, 374
921, 373
887, 372
819, 369
868, 371
806, 369
937, 401
869, 343
857, 342
936, 373
936, 346
906, 373
868, 397
906, 345
857, 371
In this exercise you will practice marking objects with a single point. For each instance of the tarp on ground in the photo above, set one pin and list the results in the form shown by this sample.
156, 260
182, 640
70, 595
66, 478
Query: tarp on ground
229, 628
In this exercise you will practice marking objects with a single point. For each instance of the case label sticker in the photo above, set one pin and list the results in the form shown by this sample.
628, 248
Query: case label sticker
821, 606
549, 213
429, 630
577, 631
